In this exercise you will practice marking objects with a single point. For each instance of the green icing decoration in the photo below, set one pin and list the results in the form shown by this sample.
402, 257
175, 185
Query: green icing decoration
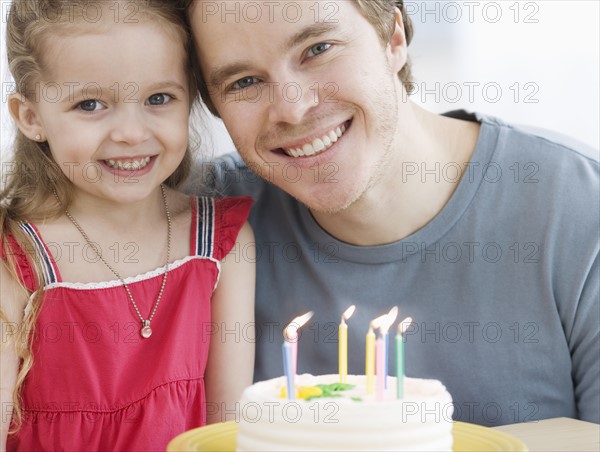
331, 390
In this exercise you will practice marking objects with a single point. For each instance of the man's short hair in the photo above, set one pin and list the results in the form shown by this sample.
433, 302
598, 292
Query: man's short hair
380, 13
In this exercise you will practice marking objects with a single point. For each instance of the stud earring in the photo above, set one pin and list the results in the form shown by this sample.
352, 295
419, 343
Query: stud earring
38, 137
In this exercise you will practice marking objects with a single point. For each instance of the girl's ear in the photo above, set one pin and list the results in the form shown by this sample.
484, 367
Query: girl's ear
397, 52
26, 117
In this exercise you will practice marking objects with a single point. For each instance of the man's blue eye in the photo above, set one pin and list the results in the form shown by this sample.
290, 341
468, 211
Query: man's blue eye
318, 48
159, 99
90, 105
244, 82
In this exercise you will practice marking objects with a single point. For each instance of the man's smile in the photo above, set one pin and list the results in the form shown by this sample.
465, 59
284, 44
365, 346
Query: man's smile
311, 147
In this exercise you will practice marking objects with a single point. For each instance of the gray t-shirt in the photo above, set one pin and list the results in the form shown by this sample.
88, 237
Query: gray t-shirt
503, 284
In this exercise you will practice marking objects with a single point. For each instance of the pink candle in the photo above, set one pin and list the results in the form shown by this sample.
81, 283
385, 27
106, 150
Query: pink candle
379, 368
294, 343
385, 326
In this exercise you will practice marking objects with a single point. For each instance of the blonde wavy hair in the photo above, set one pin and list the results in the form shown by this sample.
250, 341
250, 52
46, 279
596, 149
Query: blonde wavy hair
28, 194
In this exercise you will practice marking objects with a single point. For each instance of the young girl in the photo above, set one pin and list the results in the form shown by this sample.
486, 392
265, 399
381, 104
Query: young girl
113, 284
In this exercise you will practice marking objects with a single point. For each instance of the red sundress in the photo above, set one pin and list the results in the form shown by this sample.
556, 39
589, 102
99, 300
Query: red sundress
96, 384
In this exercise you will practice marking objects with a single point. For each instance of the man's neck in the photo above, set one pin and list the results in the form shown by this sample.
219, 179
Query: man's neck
426, 163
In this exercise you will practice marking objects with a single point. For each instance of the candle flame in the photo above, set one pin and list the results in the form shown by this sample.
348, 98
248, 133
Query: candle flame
403, 326
388, 319
392, 315
348, 313
290, 331
375, 323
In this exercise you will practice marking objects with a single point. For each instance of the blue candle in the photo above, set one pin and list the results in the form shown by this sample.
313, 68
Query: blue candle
290, 352
288, 369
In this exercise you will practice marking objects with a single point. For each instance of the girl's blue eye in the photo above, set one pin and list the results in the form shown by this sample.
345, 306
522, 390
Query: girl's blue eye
90, 105
244, 82
318, 48
159, 99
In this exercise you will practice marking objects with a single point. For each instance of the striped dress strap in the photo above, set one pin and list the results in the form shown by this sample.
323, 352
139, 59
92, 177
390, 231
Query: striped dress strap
203, 227
42, 254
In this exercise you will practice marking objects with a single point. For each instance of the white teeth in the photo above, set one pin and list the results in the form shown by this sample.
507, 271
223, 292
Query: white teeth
318, 144
131, 165
308, 149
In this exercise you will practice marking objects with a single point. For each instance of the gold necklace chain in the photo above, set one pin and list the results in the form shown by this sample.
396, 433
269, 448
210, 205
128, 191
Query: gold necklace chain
145, 331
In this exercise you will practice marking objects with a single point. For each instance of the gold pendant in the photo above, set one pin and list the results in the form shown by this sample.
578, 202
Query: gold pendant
146, 331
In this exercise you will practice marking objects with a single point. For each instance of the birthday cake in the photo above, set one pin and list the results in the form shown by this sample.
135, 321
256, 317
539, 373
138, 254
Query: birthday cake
327, 415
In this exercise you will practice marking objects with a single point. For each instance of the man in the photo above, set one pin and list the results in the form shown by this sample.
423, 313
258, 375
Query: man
485, 235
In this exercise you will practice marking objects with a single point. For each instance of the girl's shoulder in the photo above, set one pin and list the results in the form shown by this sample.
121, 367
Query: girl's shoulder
223, 213
18, 281
229, 217
17, 252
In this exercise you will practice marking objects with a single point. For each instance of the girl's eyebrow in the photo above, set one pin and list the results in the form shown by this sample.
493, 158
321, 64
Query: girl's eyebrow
166, 85
98, 91
221, 73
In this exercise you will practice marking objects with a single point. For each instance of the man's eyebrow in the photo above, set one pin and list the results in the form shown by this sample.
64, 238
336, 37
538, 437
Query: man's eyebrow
312, 31
219, 74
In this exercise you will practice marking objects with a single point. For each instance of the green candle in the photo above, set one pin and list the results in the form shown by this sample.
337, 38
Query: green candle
399, 366
402, 326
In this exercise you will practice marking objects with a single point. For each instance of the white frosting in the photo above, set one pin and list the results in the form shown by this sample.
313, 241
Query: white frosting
422, 420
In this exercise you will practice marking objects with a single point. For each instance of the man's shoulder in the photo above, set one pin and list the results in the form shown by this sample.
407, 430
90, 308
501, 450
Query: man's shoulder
558, 164
524, 138
545, 143
546, 172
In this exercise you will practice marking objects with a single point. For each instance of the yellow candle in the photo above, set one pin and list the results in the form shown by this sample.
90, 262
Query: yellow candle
343, 351
343, 344
370, 361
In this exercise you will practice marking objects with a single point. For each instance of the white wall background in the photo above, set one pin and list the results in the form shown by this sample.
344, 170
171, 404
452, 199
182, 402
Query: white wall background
528, 62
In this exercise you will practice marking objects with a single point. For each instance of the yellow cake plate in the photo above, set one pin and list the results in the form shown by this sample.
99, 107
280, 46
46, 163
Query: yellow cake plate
467, 437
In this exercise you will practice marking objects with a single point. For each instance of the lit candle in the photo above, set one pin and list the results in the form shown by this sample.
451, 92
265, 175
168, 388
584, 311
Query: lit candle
293, 340
287, 369
380, 371
290, 351
370, 354
370, 359
385, 326
402, 326
343, 344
